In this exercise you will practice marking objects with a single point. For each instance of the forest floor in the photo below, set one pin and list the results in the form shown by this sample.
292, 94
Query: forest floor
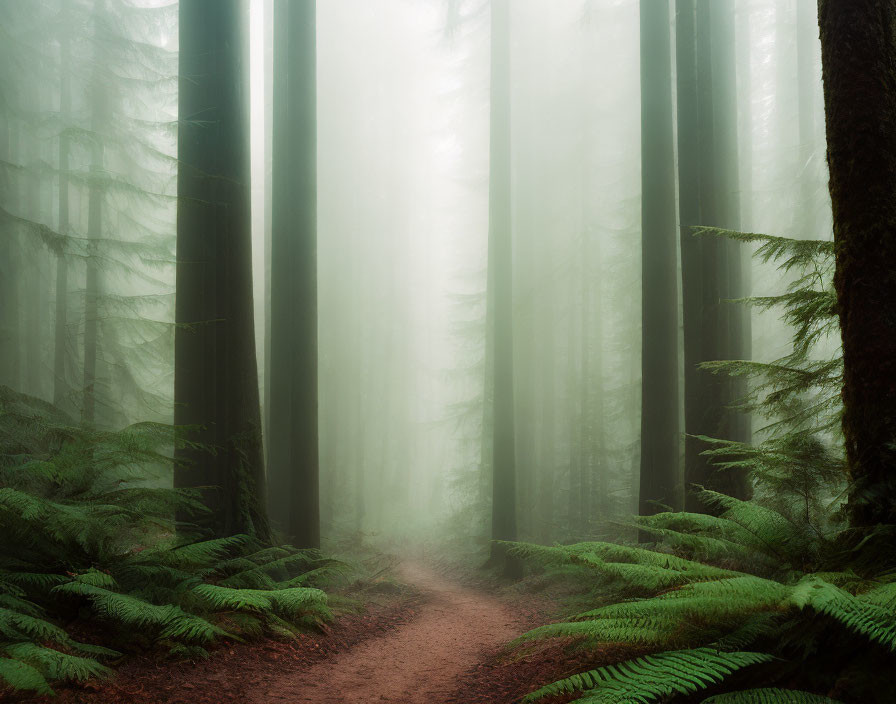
437, 639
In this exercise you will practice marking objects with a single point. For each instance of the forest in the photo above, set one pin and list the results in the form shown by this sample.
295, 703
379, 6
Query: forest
448, 351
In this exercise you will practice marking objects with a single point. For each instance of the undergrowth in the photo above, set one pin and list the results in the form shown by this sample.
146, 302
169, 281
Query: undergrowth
91, 547
772, 600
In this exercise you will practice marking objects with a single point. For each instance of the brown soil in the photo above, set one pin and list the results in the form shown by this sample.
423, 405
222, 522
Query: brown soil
445, 645
419, 663
232, 672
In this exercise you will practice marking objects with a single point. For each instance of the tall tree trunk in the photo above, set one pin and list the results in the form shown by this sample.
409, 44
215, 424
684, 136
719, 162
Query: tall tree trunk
574, 401
737, 339
545, 369
268, 14
9, 259
94, 232
806, 40
586, 438
500, 280
660, 471
32, 281
216, 378
60, 349
293, 449
707, 168
858, 50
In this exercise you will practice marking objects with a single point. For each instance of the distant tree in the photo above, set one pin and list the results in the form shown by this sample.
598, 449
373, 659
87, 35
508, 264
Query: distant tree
9, 240
858, 49
216, 379
807, 85
711, 268
660, 472
293, 450
96, 195
500, 286
60, 342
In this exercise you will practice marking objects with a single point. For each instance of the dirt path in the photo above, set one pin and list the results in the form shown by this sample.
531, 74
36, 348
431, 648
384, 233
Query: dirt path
421, 661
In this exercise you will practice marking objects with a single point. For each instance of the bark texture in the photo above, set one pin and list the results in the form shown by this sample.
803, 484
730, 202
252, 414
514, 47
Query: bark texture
858, 47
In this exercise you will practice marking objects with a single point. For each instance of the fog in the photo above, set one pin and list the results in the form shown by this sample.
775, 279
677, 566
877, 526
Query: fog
406, 358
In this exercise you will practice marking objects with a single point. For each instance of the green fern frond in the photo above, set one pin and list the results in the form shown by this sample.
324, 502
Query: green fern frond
653, 677
205, 553
775, 532
883, 596
769, 696
644, 578
791, 253
862, 616
758, 625
16, 626
216, 597
657, 632
191, 629
703, 547
95, 578
295, 602
22, 677
55, 665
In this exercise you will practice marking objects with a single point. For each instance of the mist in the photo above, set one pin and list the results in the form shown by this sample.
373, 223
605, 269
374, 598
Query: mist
465, 281
403, 95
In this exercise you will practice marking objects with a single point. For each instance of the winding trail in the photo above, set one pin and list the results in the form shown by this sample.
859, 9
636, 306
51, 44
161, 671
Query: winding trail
419, 662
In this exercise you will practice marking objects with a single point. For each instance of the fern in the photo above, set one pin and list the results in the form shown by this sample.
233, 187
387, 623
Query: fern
88, 540
54, 664
20, 676
769, 696
785, 580
652, 677
862, 616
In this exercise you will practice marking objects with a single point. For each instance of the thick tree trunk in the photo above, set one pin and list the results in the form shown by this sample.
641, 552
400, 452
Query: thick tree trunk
500, 281
216, 379
660, 470
293, 449
858, 49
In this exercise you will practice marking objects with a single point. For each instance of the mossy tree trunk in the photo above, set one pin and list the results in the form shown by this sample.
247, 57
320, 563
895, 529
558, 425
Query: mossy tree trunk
858, 49
216, 379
